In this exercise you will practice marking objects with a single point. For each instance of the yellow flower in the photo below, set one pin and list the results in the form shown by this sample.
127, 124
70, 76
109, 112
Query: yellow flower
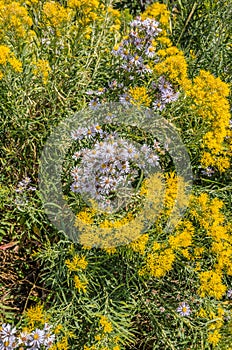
86, 11
4, 54
81, 286
77, 263
58, 328
192, 54
173, 65
63, 344
158, 264
16, 64
210, 102
110, 250
85, 216
202, 313
164, 40
97, 337
106, 324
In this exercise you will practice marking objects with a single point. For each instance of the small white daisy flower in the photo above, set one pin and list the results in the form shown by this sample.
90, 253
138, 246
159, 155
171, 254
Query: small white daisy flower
184, 309
36, 338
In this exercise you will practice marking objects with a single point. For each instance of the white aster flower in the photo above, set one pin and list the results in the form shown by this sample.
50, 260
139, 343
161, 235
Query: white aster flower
36, 338
184, 309
7, 331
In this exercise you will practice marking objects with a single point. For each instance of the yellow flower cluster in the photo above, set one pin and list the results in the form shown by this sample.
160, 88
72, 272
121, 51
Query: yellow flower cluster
211, 221
108, 233
211, 285
86, 10
61, 345
139, 245
36, 315
176, 198
31, 2
14, 20
106, 324
6, 56
85, 216
55, 14
78, 262
216, 322
209, 95
105, 336
139, 96
117, 223
42, 69
80, 284
210, 217
214, 337
213, 224
183, 237
173, 65
158, 263
115, 18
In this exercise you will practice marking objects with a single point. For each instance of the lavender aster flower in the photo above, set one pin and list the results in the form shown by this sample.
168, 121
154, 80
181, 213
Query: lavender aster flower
94, 104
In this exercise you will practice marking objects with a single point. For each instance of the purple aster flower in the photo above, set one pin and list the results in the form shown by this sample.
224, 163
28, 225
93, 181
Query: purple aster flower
184, 309
125, 99
168, 96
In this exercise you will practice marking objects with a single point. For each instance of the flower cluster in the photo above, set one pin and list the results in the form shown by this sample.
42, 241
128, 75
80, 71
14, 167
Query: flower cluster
8, 57
78, 264
112, 164
210, 102
14, 19
23, 185
159, 12
55, 14
138, 46
139, 56
105, 337
38, 339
